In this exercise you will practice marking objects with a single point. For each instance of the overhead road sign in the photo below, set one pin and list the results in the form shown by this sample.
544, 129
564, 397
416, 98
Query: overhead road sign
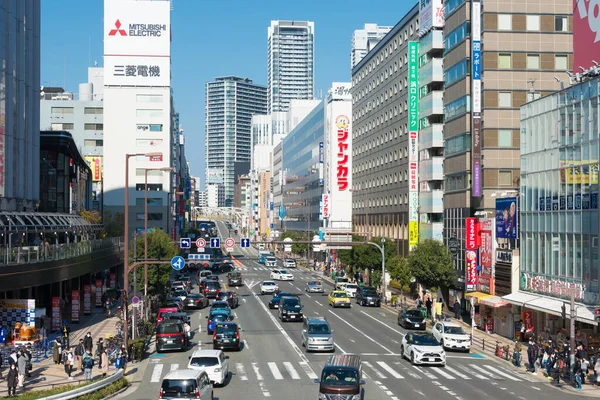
177, 263
200, 242
215, 243
185, 243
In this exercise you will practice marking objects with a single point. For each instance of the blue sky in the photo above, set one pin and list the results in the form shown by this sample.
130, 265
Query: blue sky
210, 38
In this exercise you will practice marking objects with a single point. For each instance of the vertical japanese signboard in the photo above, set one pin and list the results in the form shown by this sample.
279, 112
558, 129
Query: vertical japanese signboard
413, 152
471, 278
486, 250
87, 299
342, 122
56, 313
325, 202
98, 292
112, 281
476, 97
471, 234
75, 305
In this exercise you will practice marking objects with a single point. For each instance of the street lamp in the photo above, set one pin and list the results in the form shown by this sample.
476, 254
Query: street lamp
126, 238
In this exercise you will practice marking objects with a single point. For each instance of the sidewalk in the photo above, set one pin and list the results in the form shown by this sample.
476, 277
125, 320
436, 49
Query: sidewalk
47, 375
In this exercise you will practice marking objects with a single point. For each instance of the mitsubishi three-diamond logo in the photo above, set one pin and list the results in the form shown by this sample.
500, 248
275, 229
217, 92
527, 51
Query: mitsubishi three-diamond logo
113, 32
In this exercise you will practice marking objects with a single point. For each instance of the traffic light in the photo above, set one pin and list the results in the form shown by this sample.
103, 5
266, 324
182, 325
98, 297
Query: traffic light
597, 314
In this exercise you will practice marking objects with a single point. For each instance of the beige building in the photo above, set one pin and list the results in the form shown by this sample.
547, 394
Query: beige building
264, 201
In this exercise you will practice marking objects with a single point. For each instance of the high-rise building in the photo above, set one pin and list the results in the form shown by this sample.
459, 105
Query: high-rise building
19, 105
230, 104
363, 40
291, 60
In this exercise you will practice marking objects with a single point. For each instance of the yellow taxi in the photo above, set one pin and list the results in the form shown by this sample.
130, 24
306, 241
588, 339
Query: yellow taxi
339, 298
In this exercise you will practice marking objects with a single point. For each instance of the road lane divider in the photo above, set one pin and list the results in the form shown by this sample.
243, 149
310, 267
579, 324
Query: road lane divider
319, 303
339, 348
383, 323
241, 371
357, 330
156, 373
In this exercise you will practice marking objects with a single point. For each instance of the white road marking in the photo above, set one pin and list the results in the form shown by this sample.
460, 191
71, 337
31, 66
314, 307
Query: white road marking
308, 370
264, 390
241, 371
379, 374
536, 388
319, 303
368, 337
395, 341
408, 371
383, 323
457, 373
521, 376
297, 288
290, 369
427, 374
390, 370
342, 350
259, 377
352, 340
442, 373
246, 346
512, 378
483, 371
156, 373
466, 369
307, 295
174, 367
275, 371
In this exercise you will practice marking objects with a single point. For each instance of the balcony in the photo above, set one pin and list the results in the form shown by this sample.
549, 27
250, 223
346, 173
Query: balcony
432, 136
432, 104
433, 71
434, 40
431, 230
431, 169
431, 202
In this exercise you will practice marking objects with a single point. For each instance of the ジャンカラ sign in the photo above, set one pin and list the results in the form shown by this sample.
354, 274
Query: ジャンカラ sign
342, 122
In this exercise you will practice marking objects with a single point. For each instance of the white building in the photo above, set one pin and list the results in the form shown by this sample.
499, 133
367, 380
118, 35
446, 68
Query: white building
266, 126
202, 199
19, 105
138, 113
291, 60
363, 40
214, 195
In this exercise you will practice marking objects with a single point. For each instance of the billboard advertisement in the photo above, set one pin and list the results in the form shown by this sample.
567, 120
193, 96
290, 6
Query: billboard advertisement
326, 206
413, 151
586, 34
214, 176
579, 172
476, 96
471, 270
339, 91
471, 234
506, 218
95, 164
431, 14
137, 42
486, 246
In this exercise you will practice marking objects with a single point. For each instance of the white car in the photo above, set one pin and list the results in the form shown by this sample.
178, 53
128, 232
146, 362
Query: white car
452, 336
350, 288
270, 261
214, 362
268, 287
422, 348
281, 275
289, 263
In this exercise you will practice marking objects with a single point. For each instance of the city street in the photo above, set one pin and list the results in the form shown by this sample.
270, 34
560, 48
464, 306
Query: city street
273, 362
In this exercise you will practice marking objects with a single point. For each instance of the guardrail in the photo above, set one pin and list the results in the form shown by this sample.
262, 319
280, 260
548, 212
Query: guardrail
75, 393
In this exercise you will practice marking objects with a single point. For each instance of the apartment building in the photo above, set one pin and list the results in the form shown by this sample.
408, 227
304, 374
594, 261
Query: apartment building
363, 40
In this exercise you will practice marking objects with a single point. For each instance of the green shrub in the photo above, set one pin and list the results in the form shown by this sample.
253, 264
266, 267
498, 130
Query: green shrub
107, 391
98, 395
136, 348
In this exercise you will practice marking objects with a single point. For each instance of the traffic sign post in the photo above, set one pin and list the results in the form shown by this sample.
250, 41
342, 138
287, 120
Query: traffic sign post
215, 243
135, 301
177, 263
245, 242
185, 243
200, 243
229, 242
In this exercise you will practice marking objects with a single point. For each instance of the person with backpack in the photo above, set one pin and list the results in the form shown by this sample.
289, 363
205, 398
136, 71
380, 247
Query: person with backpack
79, 351
99, 348
88, 364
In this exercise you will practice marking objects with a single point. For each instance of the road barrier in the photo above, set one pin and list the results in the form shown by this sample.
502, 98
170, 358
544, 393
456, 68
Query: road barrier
73, 394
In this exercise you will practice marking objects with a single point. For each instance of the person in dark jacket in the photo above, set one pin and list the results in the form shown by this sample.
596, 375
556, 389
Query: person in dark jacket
532, 352
88, 342
457, 309
99, 348
79, 351
12, 380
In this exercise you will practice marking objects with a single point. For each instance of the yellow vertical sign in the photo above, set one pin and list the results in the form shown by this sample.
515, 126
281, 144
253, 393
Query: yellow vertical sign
413, 233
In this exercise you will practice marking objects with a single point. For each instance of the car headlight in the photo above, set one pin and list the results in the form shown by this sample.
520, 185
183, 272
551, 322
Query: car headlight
323, 397
356, 397
408, 320
283, 311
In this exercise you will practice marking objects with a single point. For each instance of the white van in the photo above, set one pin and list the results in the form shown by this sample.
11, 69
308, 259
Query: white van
214, 362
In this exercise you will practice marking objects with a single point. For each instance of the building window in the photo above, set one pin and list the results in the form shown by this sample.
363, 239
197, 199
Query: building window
456, 72
151, 172
533, 22
68, 126
93, 110
152, 187
504, 178
151, 216
504, 61
61, 110
457, 107
504, 22
504, 99
505, 138
149, 113
152, 201
93, 143
560, 24
560, 62
533, 61
61, 127
149, 98
93, 127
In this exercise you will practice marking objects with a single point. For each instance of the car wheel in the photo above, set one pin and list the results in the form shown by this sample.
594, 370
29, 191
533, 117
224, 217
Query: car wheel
401, 351
412, 358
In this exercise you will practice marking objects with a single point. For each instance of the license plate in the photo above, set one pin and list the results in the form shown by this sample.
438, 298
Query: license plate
225, 340
371, 302
293, 316
169, 342
417, 325
430, 359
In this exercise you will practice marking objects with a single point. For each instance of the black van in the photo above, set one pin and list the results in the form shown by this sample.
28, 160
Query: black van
341, 378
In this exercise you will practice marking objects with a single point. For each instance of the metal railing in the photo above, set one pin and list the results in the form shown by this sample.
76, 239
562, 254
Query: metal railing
49, 252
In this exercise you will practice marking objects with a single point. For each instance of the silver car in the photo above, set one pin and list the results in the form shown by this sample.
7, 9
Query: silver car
314, 287
317, 335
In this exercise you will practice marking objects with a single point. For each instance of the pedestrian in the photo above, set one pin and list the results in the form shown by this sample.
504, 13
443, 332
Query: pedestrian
12, 378
585, 365
88, 342
68, 360
531, 355
56, 352
522, 330
12, 359
22, 368
79, 351
29, 367
65, 331
439, 309
88, 364
103, 363
99, 348
577, 372
596, 370
517, 354
428, 304
457, 309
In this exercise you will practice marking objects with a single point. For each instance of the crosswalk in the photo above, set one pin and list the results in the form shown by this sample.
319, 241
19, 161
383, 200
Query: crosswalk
376, 369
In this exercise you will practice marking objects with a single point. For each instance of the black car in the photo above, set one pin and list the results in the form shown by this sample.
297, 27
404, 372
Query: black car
235, 279
174, 302
290, 309
230, 297
368, 296
195, 301
211, 289
274, 302
170, 335
412, 319
226, 336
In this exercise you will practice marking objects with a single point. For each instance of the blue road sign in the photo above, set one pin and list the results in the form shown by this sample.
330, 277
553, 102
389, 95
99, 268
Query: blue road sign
135, 300
245, 242
198, 256
177, 263
215, 243
185, 243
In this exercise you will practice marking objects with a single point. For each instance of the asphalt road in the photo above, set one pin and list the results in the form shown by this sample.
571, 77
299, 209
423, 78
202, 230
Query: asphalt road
273, 362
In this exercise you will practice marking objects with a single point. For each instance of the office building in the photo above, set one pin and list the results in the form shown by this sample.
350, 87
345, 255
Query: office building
82, 115
242, 192
363, 40
380, 114
504, 45
139, 115
19, 105
215, 195
290, 63
230, 104
266, 129
202, 198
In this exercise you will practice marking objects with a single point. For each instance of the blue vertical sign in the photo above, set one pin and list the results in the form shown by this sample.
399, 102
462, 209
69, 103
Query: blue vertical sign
321, 155
281, 212
321, 163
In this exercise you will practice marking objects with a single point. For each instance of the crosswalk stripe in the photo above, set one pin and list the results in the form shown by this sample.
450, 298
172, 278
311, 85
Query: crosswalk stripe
512, 378
521, 376
483, 371
275, 371
290, 369
307, 370
466, 369
174, 367
442, 373
241, 370
408, 371
257, 372
427, 374
390, 370
377, 372
457, 373
156, 373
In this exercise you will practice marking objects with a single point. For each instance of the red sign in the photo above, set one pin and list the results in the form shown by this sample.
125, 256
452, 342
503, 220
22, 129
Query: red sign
326, 207
342, 122
112, 282
528, 320
56, 314
98, 292
586, 34
471, 259
471, 228
75, 306
156, 158
87, 299
485, 251
200, 242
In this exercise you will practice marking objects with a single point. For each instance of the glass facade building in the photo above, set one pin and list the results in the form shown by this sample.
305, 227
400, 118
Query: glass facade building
559, 194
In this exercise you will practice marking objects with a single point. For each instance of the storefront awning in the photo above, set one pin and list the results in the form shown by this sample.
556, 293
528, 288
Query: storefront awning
494, 301
478, 296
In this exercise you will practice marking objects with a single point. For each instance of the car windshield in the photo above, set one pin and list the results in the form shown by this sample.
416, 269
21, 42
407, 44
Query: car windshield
351, 286
339, 294
219, 305
193, 296
236, 275
166, 329
425, 341
333, 376
213, 285
319, 328
314, 283
370, 293
339, 280
454, 330
219, 317
177, 387
283, 271
414, 314
180, 293
204, 361
290, 261
268, 283
271, 259
292, 303
280, 295
225, 328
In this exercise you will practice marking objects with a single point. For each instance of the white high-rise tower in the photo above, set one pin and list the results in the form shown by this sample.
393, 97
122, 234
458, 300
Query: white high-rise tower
363, 40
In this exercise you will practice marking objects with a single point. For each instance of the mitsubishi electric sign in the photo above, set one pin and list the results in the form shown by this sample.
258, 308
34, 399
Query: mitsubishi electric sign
137, 43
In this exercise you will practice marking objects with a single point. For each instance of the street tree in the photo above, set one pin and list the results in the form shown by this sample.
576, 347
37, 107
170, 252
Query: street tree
399, 271
297, 248
91, 216
432, 265
369, 256
114, 224
160, 247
